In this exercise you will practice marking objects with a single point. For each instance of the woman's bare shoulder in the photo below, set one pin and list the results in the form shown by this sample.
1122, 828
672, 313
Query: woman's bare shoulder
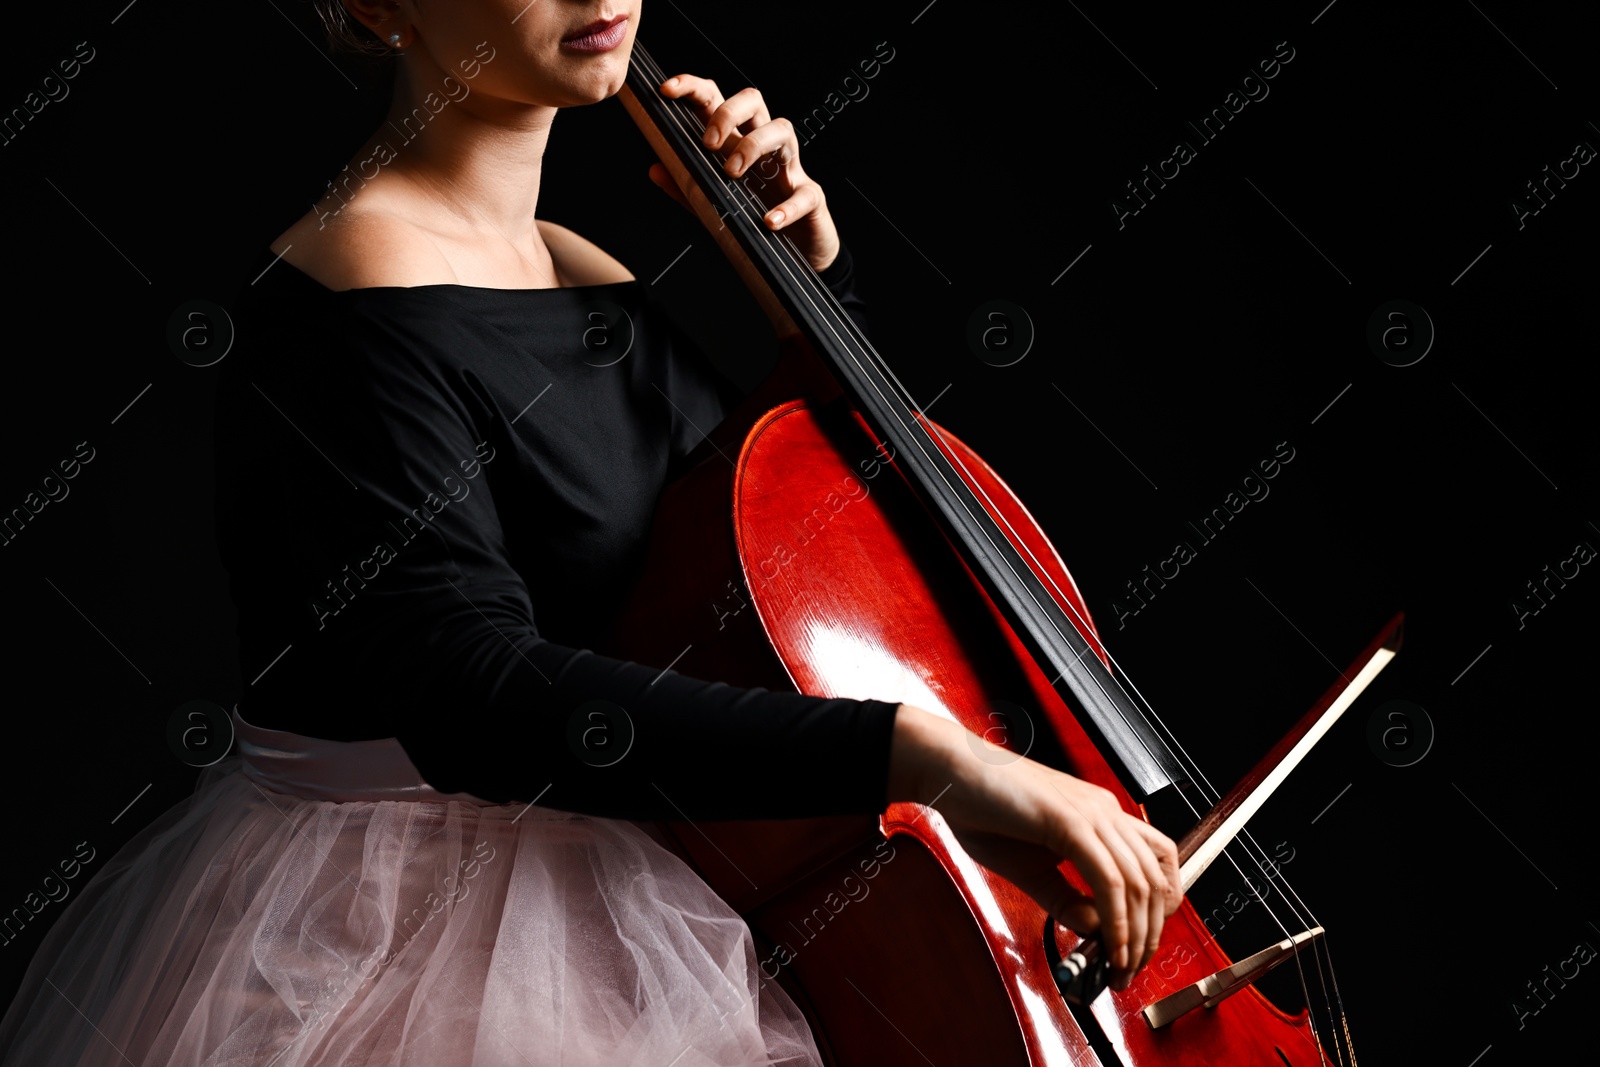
579, 260
372, 248
364, 249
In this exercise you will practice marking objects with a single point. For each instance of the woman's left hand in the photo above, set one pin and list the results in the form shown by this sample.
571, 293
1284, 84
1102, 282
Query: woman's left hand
753, 142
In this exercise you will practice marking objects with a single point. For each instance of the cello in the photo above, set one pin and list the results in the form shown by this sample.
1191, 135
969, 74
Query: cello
828, 537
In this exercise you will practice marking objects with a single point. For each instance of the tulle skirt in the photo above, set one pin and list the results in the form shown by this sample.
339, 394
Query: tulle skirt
315, 904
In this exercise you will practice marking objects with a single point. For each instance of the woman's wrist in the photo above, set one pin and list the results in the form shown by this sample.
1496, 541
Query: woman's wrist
921, 754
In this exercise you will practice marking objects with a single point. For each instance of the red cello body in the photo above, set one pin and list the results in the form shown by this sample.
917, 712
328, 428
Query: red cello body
794, 554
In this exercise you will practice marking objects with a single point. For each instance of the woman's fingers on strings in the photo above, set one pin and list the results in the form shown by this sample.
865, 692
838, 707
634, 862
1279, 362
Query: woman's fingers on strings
743, 112
775, 142
727, 120
701, 92
752, 142
806, 200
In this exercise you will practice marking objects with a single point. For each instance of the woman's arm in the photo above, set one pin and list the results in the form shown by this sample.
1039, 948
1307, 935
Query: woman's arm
380, 464
1022, 819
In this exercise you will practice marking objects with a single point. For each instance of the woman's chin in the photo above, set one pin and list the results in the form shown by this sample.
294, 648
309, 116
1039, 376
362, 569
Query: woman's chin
593, 91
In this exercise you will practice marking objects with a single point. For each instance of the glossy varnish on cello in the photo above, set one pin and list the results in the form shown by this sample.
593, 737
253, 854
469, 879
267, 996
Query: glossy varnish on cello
831, 539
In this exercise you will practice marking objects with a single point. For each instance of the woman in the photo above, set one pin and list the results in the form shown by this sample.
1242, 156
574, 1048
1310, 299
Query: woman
432, 498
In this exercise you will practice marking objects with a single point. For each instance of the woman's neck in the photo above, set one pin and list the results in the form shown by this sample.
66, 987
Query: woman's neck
475, 159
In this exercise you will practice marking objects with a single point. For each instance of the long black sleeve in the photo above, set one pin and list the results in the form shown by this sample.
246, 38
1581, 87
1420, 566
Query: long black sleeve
405, 473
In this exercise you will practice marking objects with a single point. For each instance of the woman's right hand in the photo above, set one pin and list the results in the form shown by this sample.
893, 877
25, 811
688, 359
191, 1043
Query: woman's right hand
1021, 820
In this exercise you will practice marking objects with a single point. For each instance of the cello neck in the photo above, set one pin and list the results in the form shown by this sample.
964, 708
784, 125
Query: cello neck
798, 304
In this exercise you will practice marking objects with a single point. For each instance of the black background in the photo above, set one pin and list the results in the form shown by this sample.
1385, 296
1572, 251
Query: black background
1224, 318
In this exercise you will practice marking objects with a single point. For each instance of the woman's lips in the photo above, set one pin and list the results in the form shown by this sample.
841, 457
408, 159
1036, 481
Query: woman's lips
600, 36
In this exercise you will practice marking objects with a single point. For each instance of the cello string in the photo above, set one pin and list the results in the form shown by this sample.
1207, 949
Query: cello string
1344, 1019
1316, 955
810, 287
